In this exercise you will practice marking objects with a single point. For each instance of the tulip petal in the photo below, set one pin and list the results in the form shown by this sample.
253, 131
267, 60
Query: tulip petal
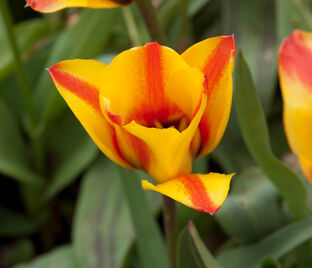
306, 167
203, 192
143, 74
171, 153
78, 82
295, 68
215, 58
47, 6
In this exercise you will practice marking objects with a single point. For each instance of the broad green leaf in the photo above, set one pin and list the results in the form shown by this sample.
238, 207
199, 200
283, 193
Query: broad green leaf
102, 233
14, 156
274, 246
291, 15
62, 257
72, 149
85, 39
253, 24
254, 129
252, 201
13, 224
27, 33
151, 247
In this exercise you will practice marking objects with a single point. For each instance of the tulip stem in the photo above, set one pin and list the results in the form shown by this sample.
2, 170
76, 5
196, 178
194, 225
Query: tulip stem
151, 20
132, 29
20, 72
169, 215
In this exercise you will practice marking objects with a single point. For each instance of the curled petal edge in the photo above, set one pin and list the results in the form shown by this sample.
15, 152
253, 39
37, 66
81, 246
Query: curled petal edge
203, 192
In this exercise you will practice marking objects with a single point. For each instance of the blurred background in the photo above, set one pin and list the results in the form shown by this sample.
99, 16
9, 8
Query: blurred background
59, 196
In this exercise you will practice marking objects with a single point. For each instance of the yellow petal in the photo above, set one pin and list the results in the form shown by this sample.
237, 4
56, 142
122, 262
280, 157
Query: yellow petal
135, 86
170, 149
306, 167
47, 6
215, 58
203, 192
295, 68
78, 82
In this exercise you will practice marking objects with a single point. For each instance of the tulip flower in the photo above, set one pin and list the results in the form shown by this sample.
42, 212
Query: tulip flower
295, 72
48, 6
156, 110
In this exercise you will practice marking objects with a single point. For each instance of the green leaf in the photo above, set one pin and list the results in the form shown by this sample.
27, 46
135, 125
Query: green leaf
191, 251
204, 254
291, 15
13, 224
258, 40
151, 246
255, 132
274, 246
102, 232
14, 157
73, 150
62, 257
85, 39
252, 201
27, 33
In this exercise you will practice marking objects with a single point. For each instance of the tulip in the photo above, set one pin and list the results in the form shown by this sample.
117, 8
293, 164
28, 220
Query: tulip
48, 6
295, 73
156, 110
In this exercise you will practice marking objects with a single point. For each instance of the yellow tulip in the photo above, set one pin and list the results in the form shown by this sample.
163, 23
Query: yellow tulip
48, 6
156, 110
295, 73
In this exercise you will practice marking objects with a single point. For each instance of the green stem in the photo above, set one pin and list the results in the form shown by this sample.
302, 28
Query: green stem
23, 84
21, 75
132, 29
170, 228
151, 20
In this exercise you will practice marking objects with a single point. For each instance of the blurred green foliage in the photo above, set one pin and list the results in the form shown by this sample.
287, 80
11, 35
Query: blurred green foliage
69, 210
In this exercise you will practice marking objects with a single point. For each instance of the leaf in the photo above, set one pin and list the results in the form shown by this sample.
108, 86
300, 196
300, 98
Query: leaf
73, 150
204, 254
255, 132
14, 158
27, 33
102, 232
83, 40
151, 247
274, 246
258, 40
191, 251
61, 257
13, 224
252, 201
291, 15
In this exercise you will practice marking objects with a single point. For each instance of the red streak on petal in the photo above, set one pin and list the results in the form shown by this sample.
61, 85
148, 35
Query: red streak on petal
296, 58
198, 194
214, 69
218, 60
80, 88
141, 150
87, 93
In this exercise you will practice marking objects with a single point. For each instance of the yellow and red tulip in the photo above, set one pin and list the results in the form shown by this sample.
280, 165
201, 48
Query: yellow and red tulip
156, 110
295, 72
47, 6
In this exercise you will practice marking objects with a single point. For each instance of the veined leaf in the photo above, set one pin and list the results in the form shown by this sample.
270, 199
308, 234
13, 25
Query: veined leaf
274, 246
255, 132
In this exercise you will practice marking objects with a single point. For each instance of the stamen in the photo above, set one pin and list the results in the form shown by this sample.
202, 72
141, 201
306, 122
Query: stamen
182, 124
157, 124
